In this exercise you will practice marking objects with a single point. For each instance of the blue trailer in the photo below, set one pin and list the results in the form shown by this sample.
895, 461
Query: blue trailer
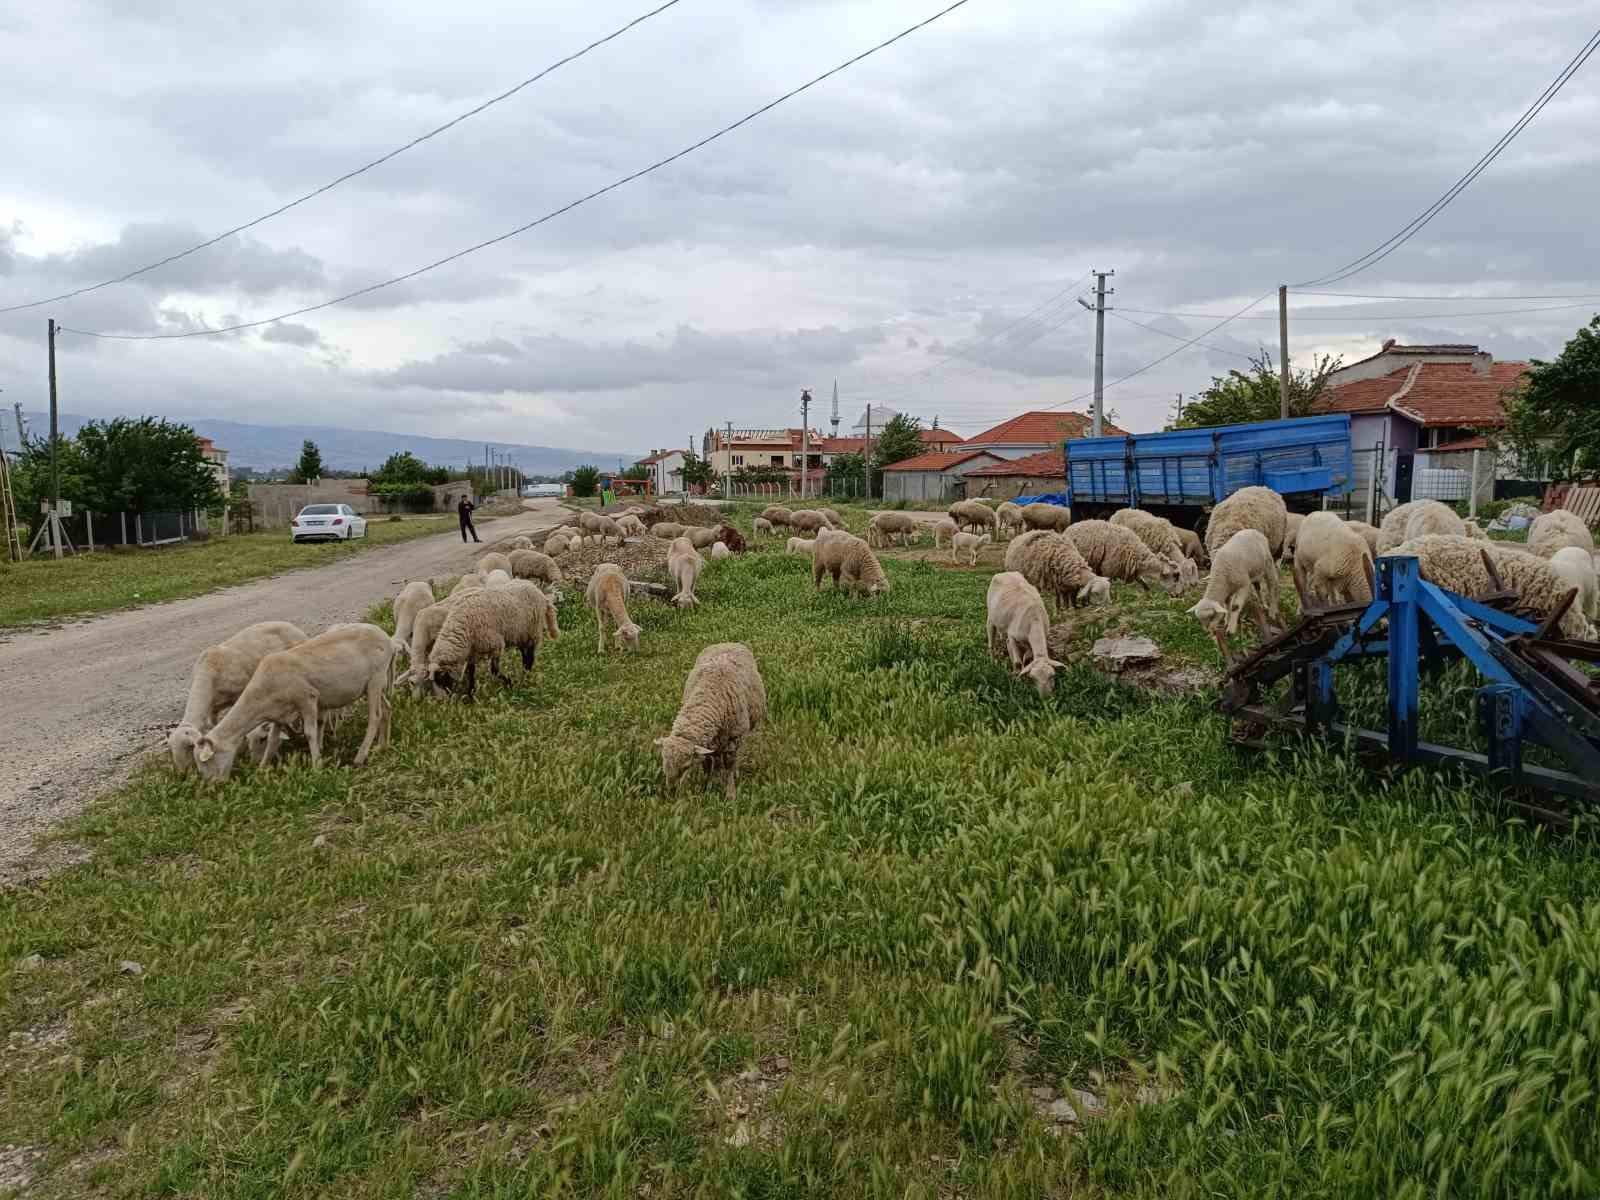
1181, 475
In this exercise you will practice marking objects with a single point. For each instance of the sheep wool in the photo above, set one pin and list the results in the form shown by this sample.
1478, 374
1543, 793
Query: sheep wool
850, 562
968, 544
1243, 582
969, 513
221, 674
761, 526
1193, 548
720, 550
800, 545
530, 564
471, 582
943, 530
1369, 534
666, 531
607, 595
683, 568
1040, 515
1009, 518
1457, 565
1051, 563
833, 516
1332, 564
1396, 523
1158, 533
1019, 627
1557, 528
557, 543
808, 520
413, 598
494, 561
1249, 508
1575, 565
776, 515
731, 538
1118, 553
516, 617
884, 528
724, 700
520, 542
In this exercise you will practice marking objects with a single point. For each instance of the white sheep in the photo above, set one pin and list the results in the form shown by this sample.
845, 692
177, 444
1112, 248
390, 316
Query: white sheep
607, 595
969, 544
700, 536
221, 674
320, 674
885, 527
761, 527
979, 517
665, 531
1009, 518
808, 520
800, 545
683, 568
1558, 528
1052, 564
1457, 564
494, 561
1575, 565
1291, 529
1193, 548
1332, 564
413, 598
1243, 581
1430, 516
600, 527
496, 578
833, 516
1161, 536
517, 616
776, 515
630, 525
1369, 534
1018, 625
472, 581
1248, 508
530, 564
1043, 515
850, 562
521, 542
720, 550
943, 530
724, 700
1117, 553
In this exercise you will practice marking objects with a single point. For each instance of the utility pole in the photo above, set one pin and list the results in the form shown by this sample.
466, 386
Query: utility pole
1097, 424
55, 466
867, 452
805, 438
727, 466
1283, 353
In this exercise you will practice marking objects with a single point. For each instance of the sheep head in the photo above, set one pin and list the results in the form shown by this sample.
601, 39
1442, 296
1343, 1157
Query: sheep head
1096, 591
1043, 673
677, 756
181, 742
1212, 616
627, 636
215, 761
1166, 576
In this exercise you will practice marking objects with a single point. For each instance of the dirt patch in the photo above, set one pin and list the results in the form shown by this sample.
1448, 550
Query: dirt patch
640, 558
746, 1100
18, 1166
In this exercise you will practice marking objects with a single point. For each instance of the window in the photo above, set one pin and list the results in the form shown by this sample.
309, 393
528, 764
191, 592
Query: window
738, 460
777, 460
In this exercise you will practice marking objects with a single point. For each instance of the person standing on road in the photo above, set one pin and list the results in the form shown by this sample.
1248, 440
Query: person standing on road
464, 511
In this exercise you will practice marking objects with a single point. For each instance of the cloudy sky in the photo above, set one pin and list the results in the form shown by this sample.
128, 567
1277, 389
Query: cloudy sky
886, 229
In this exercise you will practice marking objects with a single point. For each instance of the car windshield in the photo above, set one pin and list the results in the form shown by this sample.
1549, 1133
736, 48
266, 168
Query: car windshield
319, 510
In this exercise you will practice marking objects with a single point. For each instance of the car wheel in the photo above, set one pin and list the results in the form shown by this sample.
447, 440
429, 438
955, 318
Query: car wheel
349, 533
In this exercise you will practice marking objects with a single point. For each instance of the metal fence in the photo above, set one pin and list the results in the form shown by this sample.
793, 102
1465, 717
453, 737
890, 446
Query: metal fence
1382, 478
844, 489
89, 531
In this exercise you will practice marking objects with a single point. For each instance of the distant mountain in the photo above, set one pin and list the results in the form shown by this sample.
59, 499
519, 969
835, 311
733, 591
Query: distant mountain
263, 446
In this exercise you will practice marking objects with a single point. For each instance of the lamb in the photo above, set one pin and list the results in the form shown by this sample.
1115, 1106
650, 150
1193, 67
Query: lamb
943, 530
1557, 528
683, 568
968, 544
761, 526
630, 525
1040, 515
599, 526
1161, 536
970, 513
833, 516
518, 616
887, 526
731, 538
1009, 517
471, 582
800, 545
851, 563
1052, 564
1243, 581
776, 515
1249, 508
530, 564
1457, 564
699, 536
496, 578
1118, 553
494, 561
723, 701
316, 676
571, 532
557, 543
1433, 518
720, 550
221, 674
666, 531
425, 630
1575, 565
607, 595
1018, 623
1332, 564
808, 520
1193, 548
413, 598
1369, 533
520, 542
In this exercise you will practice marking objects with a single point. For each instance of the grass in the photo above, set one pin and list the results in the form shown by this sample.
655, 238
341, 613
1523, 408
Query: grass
41, 589
514, 967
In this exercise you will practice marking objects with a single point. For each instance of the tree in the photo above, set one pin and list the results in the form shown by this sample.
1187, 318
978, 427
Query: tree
310, 465
1553, 418
637, 471
1242, 396
899, 440
401, 467
145, 465
585, 481
697, 472
847, 471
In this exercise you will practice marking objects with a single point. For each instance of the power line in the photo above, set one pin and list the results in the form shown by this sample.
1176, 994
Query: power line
1486, 299
348, 175
1385, 248
1177, 337
553, 213
1298, 316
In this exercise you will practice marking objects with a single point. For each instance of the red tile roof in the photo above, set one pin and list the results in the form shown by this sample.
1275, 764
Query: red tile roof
1036, 428
1045, 464
935, 460
1432, 393
1472, 443
858, 445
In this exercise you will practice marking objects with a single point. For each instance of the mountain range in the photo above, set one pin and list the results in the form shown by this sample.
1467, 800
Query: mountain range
266, 446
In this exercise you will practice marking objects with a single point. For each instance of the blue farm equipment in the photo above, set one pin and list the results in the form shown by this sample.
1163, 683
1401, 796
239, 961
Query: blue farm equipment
1534, 691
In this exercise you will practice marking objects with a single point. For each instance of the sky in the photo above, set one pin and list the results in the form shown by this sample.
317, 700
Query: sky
890, 229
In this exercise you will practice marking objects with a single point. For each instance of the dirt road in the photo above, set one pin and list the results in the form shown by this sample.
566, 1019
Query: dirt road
84, 700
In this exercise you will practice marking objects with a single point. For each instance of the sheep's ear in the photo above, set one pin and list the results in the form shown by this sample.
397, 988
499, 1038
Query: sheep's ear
703, 752
204, 751
1061, 666
1195, 611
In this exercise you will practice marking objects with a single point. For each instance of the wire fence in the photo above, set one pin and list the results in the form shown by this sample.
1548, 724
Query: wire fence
87, 531
1464, 479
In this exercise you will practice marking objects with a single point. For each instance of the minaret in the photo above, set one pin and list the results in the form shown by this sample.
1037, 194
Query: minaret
834, 420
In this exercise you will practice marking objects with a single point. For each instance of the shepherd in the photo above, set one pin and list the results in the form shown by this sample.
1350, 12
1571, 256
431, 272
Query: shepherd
464, 511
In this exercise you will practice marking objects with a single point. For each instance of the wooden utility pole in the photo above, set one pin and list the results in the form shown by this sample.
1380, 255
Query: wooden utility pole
1283, 352
805, 438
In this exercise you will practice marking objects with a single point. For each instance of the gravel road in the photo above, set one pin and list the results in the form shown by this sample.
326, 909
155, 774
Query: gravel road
86, 699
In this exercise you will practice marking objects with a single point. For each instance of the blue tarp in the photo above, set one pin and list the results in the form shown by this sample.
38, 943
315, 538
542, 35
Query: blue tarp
1048, 498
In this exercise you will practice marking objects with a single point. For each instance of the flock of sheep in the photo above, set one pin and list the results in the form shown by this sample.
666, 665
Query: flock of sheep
250, 690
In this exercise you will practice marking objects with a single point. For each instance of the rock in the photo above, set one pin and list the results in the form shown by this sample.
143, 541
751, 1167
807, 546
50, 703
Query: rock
1044, 1093
1120, 653
1088, 1103
781, 1064
1062, 1113
31, 963
740, 1135
128, 967
750, 1076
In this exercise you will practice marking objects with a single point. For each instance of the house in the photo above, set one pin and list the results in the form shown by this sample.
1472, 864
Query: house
935, 475
1033, 475
932, 439
217, 459
1420, 408
760, 448
1033, 432
666, 470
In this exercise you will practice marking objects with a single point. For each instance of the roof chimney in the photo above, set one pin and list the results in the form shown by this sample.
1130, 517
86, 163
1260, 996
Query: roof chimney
1388, 344
1481, 361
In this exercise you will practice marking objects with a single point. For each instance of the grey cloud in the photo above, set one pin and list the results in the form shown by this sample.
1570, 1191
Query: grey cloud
244, 263
291, 334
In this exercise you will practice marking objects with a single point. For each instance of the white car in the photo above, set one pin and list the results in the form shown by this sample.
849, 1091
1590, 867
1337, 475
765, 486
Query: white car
324, 522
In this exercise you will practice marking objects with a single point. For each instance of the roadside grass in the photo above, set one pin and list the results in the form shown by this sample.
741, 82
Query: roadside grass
515, 967
45, 590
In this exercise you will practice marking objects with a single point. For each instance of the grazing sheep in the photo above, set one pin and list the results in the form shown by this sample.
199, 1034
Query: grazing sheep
1457, 564
776, 515
599, 526
1431, 518
1557, 528
980, 517
1575, 565
1193, 548
1291, 528
808, 520
607, 595
1050, 562
318, 675
723, 701
494, 561
720, 550
425, 629
571, 532
833, 516
761, 526
850, 562
943, 530
557, 544
521, 542
700, 536
968, 544
517, 617
731, 538
1040, 515
1332, 564
1118, 553
413, 598
885, 527
530, 564
683, 568
471, 582
496, 578
221, 674
1243, 581
1018, 625
1369, 534
1248, 508
1161, 536
630, 525
666, 531
1009, 517
800, 545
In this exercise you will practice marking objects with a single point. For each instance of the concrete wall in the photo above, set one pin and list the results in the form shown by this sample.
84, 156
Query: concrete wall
277, 503
1008, 487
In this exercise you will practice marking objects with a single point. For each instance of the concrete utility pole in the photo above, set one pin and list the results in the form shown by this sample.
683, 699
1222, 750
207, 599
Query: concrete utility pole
1097, 424
727, 474
55, 467
1283, 352
867, 452
805, 437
